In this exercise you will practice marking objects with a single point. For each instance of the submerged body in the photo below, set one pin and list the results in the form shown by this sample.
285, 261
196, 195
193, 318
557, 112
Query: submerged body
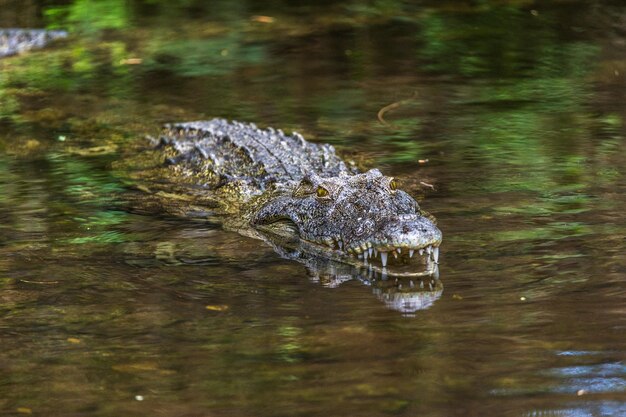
281, 188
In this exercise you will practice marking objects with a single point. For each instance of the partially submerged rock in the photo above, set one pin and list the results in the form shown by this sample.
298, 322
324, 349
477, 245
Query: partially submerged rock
16, 41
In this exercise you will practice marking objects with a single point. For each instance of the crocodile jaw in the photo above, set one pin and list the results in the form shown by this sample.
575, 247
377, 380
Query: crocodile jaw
396, 241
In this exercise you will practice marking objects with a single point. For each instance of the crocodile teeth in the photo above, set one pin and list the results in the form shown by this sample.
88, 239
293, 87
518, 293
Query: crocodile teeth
370, 250
340, 243
411, 251
395, 254
421, 252
383, 257
399, 250
436, 253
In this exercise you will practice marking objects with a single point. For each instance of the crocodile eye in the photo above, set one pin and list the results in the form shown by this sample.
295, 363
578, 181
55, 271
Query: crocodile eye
393, 184
321, 192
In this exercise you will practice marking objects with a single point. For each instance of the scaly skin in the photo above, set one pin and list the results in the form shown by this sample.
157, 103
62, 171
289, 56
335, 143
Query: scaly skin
361, 216
272, 186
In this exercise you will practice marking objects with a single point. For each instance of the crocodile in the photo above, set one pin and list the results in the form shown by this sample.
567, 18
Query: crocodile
287, 191
15, 41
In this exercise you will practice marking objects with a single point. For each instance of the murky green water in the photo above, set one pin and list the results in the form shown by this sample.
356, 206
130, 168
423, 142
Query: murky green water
516, 110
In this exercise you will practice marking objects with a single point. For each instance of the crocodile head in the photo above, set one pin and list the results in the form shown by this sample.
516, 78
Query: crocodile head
363, 218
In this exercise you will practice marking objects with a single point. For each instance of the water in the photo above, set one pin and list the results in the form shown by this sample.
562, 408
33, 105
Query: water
516, 111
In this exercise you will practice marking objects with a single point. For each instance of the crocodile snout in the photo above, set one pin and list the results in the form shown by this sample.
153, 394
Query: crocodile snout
411, 231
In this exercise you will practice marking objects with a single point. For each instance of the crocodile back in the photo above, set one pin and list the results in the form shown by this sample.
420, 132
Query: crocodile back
234, 151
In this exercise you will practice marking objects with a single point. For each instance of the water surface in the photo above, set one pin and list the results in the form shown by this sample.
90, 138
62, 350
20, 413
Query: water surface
505, 118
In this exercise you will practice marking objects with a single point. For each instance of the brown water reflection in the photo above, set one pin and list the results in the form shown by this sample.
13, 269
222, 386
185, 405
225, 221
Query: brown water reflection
519, 110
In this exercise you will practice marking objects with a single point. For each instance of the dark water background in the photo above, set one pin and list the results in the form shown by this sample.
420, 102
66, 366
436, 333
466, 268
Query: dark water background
519, 109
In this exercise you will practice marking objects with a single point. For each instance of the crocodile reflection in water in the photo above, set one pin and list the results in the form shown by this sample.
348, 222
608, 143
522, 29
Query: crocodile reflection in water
184, 247
406, 294
277, 187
